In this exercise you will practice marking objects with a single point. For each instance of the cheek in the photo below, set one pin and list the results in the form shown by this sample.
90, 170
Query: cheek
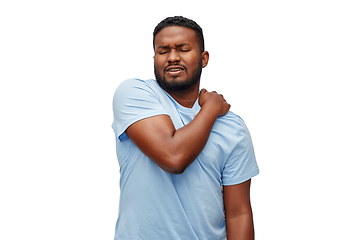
157, 65
192, 59
159, 62
159, 71
193, 62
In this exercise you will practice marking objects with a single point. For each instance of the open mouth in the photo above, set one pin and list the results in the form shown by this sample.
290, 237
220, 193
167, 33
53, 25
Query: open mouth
174, 70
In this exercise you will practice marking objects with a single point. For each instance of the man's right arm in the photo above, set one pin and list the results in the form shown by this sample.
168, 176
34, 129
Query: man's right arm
174, 150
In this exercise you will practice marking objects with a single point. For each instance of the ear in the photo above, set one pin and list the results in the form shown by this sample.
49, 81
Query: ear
205, 58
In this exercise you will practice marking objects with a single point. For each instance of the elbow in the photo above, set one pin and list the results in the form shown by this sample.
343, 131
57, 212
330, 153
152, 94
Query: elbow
173, 160
177, 170
174, 168
174, 165
174, 171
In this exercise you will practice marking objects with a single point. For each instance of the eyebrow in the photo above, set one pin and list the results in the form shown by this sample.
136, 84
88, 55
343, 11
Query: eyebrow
181, 45
177, 45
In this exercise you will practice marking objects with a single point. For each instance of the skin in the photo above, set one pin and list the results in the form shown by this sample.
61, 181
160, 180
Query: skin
178, 46
174, 150
238, 212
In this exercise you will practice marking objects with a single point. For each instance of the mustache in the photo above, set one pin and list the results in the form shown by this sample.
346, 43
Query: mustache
179, 65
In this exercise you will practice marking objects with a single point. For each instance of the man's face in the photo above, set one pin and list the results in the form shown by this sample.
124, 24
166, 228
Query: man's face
178, 61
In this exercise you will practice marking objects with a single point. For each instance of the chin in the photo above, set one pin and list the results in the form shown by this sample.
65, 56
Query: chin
176, 84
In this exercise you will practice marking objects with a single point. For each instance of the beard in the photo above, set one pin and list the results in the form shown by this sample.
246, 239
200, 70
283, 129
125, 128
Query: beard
174, 86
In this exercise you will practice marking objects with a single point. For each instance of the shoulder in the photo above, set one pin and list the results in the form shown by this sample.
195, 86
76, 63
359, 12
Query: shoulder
234, 132
134, 88
135, 99
232, 123
133, 83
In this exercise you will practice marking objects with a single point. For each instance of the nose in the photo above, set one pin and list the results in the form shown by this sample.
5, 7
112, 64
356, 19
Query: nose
173, 56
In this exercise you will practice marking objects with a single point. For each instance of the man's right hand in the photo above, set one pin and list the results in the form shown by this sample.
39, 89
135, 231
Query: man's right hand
215, 100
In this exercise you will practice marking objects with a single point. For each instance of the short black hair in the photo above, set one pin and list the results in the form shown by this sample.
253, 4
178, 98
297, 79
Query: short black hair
182, 22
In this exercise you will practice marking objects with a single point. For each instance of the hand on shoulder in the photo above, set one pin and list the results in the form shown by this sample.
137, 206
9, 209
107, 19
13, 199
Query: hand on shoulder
215, 100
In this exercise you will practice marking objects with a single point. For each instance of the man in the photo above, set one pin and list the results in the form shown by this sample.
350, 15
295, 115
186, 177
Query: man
185, 160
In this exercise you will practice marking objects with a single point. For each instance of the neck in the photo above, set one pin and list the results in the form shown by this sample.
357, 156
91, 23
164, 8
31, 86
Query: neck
186, 98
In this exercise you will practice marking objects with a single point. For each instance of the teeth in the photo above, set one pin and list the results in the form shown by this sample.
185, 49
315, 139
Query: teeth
174, 70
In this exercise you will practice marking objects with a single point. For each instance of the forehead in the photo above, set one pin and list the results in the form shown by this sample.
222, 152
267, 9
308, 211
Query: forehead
175, 35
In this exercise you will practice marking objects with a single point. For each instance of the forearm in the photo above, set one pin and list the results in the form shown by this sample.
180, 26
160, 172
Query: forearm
188, 141
240, 227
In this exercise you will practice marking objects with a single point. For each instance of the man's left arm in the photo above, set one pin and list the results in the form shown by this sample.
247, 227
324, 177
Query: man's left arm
238, 212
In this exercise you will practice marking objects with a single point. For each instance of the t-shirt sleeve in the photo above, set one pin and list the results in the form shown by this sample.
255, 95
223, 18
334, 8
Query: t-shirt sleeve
134, 100
241, 164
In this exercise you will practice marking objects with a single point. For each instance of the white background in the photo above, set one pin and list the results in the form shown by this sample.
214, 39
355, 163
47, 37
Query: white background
291, 69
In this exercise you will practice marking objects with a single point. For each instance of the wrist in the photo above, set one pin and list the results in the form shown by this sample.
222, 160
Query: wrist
211, 108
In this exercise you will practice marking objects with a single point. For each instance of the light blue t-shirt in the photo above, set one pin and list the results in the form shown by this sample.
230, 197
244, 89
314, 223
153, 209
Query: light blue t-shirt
158, 205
